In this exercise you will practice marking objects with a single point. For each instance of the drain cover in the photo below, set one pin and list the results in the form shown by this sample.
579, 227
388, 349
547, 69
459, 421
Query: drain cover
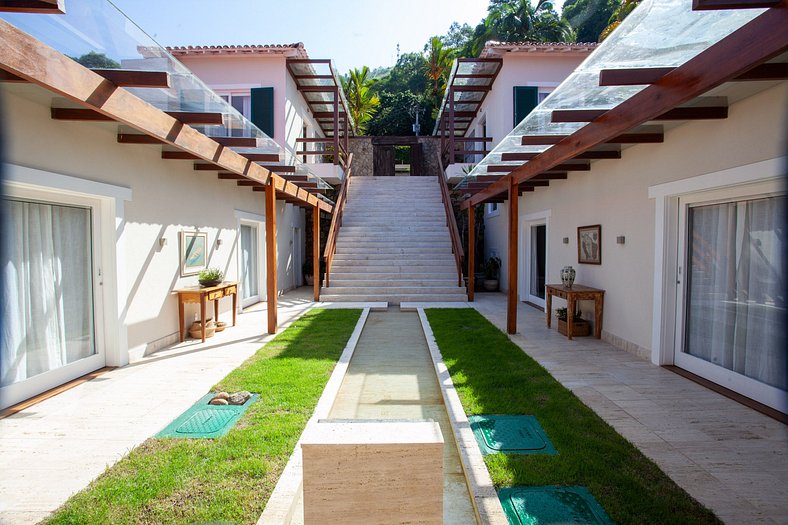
552, 506
510, 435
206, 421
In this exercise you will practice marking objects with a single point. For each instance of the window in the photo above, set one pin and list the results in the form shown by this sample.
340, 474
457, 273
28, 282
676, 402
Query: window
241, 101
526, 98
492, 209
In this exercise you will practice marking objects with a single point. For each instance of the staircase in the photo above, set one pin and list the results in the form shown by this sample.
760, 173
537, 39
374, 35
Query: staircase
394, 244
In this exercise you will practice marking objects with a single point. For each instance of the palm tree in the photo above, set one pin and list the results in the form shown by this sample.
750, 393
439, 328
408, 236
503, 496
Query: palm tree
363, 103
520, 20
438, 65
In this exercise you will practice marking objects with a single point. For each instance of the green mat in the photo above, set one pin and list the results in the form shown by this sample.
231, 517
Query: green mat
509, 434
552, 506
206, 421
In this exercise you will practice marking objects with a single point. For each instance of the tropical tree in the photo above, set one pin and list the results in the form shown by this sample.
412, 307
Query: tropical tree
520, 20
624, 8
362, 101
589, 17
438, 65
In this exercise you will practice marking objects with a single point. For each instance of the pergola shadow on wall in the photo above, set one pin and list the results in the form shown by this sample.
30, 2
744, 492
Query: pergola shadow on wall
664, 63
156, 100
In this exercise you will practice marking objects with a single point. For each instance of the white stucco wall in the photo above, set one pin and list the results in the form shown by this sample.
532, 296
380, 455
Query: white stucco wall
167, 197
615, 194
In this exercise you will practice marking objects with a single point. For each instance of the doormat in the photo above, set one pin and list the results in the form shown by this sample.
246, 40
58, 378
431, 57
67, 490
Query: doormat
552, 506
510, 435
206, 421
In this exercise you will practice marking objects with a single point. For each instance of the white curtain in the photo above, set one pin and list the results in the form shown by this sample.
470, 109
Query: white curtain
736, 296
48, 296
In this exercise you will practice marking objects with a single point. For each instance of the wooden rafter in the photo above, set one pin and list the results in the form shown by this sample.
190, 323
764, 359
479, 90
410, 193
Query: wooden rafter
683, 113
591, 154
754, 43
135, 78
567, 166
185, 117
709, 5
623, 138
650, 75
33, 6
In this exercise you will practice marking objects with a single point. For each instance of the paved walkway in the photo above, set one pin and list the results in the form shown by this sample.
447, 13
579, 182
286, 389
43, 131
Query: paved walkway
730, 458
55, 448
391, 376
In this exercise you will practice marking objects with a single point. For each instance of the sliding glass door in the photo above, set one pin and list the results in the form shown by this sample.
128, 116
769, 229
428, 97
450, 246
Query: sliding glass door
249, 261
48, 334
732, 312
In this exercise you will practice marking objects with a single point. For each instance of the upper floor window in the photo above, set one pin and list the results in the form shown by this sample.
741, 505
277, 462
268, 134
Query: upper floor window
241, 101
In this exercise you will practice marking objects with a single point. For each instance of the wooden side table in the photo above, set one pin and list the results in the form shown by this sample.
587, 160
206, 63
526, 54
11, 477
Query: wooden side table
198, 294
576, 293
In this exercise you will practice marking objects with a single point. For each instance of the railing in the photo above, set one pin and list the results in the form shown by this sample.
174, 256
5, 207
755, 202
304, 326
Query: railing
329, 142
336, 219
461, 150
451, 221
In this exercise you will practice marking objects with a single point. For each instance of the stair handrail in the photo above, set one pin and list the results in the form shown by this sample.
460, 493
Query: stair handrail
336, 219
451, 221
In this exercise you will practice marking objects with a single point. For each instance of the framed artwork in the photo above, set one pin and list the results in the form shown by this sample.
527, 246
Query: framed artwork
589, 244
194, 252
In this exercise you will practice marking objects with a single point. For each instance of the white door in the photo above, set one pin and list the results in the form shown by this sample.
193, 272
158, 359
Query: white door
731, 306
52, 327
534, 265
249, 261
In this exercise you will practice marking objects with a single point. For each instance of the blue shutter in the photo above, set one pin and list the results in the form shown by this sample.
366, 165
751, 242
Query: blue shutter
526, 98
263, 109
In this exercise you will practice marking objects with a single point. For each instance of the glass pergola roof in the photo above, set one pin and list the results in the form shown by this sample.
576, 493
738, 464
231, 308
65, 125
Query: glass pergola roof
477, 73
658, 33
316, 73
98, 35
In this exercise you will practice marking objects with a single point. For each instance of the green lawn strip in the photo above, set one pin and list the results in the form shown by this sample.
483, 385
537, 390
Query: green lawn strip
492, 375
228, 479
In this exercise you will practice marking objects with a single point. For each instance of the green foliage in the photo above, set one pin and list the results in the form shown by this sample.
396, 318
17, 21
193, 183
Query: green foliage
97, 61
458, 36
492, 268
492, 375
394, 118
211, 274
589, 17
438, 66
622, 11
228, 479
360, 97
520, 20
407, 75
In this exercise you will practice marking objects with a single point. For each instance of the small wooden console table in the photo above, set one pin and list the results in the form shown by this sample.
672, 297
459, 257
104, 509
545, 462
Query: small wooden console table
576, 293
198, 294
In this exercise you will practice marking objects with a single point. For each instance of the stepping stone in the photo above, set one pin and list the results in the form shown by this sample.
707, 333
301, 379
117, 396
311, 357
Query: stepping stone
206, 421
552, 506
510, 434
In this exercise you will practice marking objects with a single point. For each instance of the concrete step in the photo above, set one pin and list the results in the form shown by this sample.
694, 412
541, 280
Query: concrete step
390, 281
412, 229
392, 251
400, 290
392, 267
431, 274
405, 258
395, 299
393, 238
362, 246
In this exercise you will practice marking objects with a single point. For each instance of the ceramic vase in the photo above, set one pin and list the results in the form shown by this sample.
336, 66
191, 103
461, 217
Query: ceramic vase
567, 276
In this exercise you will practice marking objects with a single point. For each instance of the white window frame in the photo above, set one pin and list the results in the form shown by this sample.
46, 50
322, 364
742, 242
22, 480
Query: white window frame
492, 209
526, 221
258, 221
238, 92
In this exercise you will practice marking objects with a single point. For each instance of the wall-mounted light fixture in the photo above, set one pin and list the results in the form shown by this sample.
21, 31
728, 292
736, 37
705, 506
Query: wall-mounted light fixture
565, 240
218, 242
620, 239
162, 242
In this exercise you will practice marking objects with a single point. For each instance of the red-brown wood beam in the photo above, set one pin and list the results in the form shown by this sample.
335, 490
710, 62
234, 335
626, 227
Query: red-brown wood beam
203, 166
623, 138
471, 251
230, 176
709, 5
279, 168
591, 154
236, 142
511, 295
252, 183
685, 113
316, 252
85, 114
55, 7
264, 157
135, 78
179, 155
296, 178
650, 75
137, 138
270, 255
568, 166
756, 42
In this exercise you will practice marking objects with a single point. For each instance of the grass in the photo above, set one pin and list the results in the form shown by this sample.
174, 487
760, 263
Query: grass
228, 479
492, 375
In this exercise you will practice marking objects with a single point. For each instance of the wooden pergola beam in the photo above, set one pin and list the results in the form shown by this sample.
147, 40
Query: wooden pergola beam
567, 166
262, 157
179, 155
684, 113
754, 43
270, 254
26, 57
709, 5
135, 78
185, 117
588, 155
650, 75
623, 138
56, 7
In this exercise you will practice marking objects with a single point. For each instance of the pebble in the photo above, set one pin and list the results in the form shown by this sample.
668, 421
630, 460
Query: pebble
239, 398
216, 401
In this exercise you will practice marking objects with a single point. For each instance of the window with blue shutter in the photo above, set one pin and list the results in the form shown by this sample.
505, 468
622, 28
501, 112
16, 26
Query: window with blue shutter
526, 98
263, 109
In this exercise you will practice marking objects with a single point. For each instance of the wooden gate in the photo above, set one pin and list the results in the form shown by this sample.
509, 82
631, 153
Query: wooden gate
383, 155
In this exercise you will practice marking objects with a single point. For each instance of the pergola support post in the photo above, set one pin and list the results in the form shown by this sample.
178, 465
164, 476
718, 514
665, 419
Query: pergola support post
336, 125
511, 305
270, 254
316, 251
471, 251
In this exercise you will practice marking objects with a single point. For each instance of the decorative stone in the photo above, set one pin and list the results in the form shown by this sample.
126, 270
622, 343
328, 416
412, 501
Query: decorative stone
216, 401
222, 395
239, 398
568, 276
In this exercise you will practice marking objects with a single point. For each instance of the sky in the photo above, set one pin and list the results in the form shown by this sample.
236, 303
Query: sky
353, 33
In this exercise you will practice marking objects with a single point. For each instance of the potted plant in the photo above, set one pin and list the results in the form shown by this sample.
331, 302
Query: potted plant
308, 270
580, 327
210, 277
491, 270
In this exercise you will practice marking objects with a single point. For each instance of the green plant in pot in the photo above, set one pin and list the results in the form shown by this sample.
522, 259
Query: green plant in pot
492, 269
210, 277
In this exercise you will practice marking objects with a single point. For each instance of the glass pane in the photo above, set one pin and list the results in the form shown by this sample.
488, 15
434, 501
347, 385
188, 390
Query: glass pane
249, 261
538, 253
48, 290
736, 308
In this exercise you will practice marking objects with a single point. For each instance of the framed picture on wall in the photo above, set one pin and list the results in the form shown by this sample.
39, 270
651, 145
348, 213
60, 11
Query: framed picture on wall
194, 252
589, 244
